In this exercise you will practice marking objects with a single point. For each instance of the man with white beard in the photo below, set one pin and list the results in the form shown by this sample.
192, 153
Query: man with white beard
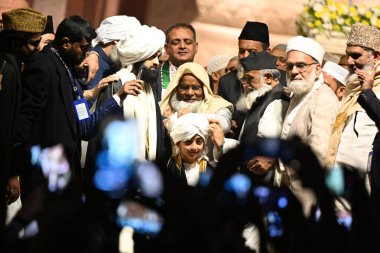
311, 113
265, 103
354, 131
189, 91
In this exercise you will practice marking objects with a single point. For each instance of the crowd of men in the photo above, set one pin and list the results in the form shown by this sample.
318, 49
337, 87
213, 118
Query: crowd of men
116, 140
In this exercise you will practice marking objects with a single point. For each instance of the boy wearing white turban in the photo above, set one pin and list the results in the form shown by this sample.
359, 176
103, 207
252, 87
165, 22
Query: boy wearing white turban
189, 135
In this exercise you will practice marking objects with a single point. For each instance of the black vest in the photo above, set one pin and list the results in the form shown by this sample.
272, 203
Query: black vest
257, 110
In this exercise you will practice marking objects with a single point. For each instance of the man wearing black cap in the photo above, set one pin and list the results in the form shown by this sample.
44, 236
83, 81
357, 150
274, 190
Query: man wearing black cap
253, 37
261, 87
264, 101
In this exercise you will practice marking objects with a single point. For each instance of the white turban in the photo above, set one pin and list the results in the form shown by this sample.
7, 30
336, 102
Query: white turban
336, 71
140, 44
189, 125
115, 28
217, 62
307, 46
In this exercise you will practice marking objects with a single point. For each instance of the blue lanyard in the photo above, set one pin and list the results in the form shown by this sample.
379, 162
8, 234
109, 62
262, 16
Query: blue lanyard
74, 82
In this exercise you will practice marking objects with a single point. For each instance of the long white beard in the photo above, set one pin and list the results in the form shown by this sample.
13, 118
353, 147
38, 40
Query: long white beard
178, 105
245, 101
302, 86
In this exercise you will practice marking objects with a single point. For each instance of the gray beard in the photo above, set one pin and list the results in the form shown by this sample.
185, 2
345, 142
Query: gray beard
302, 86
245, 102
353, 77
179, 105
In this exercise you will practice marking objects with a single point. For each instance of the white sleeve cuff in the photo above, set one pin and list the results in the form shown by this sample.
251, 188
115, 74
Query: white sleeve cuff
117, 99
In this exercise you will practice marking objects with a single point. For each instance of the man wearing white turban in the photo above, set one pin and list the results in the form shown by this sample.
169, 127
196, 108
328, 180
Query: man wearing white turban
138, 54
311, 112
189, 135
104, 53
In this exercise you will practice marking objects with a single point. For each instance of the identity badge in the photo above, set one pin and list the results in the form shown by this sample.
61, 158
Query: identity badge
81, 109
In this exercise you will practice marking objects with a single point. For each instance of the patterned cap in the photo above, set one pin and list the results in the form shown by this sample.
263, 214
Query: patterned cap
364, 36
24, 20
217, 62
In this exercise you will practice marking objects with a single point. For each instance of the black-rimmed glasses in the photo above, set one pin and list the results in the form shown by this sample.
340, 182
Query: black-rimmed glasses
301, 66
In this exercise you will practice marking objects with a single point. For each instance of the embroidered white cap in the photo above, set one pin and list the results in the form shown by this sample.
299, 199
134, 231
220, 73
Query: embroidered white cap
336, 71
217, 62
307, 46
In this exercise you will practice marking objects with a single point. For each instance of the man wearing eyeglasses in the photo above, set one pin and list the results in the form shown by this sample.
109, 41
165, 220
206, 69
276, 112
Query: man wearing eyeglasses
22, 31
312, 109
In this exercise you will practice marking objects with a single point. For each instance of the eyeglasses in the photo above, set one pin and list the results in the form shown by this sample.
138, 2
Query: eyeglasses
301, 66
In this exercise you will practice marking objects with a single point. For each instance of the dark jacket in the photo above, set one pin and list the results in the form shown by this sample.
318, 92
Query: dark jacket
47, 114
180, 173
106, 68
230, 87
10, 98
371, 104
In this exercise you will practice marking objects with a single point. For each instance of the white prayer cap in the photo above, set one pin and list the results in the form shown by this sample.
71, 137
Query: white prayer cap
115, 28
189, 125
307, 46
140, 44
336, 71
217, 62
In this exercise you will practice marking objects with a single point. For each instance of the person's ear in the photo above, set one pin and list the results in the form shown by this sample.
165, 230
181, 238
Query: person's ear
376, 56
65, 43
340, 91
196, 47
214, 76
318, 70
268, 78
